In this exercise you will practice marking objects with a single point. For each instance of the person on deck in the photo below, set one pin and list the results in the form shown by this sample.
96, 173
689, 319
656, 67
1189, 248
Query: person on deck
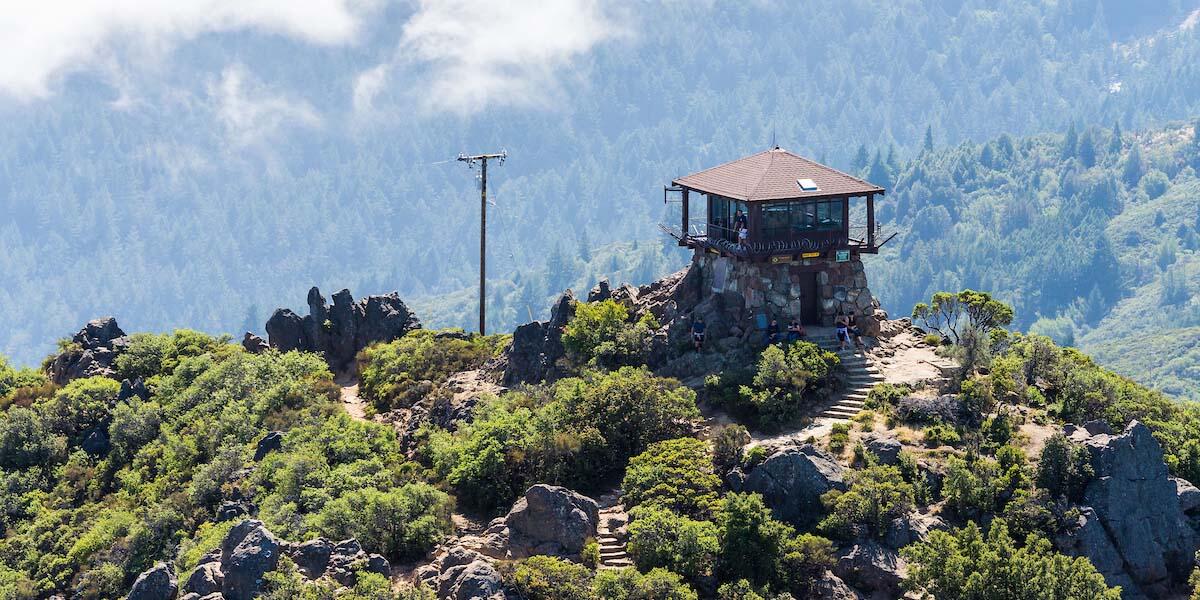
739, 221
795, 331
698, 333
843, 330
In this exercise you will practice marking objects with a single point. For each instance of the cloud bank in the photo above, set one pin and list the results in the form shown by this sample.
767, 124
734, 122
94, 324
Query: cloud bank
251, 112
42, 40
465, 55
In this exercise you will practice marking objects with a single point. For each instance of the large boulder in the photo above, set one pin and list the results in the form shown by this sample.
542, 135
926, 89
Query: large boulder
206, 579
537, 347
91, 354
1137, 512
549, 520
254, 344
248, 552
341, 330
831, 587
886, 448
463, 574
911, 528
792, 481
868, 565
157, 583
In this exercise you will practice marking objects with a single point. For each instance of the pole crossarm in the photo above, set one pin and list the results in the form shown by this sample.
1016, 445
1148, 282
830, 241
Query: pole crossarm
482, 159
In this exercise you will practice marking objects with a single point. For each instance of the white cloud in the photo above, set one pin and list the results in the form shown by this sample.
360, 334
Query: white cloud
464, 55
41, 40
251, 112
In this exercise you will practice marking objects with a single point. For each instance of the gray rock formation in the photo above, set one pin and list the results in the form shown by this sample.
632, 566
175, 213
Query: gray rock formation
236, 570
269, 443
831, 587
868, 565
885, 448
792, 481
537, 347
1136, 532
157, 583
341, 330
463, 574
133, 389
248, 552
94, 348
254, 344
1188, 494
548, 520
911, 528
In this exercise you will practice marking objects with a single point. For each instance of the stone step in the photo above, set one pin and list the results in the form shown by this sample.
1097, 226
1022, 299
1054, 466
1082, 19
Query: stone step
860, 396
850, 402
841, 413
611, 554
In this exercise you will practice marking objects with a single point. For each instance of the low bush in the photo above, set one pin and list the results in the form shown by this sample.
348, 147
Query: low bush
673, 474
601, 335
401, 372
661, 538
940, 434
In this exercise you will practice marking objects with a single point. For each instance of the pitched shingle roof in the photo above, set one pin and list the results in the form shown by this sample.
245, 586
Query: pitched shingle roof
773, 175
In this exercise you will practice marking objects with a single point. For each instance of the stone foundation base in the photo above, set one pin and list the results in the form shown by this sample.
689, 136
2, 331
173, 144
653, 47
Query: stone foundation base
813, 290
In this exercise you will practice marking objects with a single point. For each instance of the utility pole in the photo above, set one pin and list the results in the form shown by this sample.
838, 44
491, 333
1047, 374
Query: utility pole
482, 159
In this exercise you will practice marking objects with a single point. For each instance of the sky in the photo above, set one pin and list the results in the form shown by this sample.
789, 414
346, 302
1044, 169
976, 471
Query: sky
463, 55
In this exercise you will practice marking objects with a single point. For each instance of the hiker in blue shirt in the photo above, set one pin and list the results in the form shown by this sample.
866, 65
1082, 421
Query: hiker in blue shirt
698, 333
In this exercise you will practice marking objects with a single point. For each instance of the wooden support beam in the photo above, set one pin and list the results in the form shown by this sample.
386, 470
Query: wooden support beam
870, 220
684, 226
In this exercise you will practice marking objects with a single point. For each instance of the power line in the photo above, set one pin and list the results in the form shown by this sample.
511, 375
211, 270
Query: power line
482, 159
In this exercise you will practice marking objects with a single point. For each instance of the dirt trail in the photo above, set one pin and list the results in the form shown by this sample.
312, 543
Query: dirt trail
355, 406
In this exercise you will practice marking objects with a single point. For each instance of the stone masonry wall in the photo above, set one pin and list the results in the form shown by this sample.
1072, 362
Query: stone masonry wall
776, 288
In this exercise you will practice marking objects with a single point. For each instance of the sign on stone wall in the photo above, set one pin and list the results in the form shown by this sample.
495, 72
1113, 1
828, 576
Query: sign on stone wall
842, 256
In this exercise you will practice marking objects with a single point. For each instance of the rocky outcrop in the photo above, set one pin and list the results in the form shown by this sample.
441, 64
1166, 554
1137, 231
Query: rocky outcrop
831, 587
341, 330
868, 565
91, 353
254, 344
269, 443
792, 481
249, 551
462, 574
548, 520
886, 448
537, 347
1133, 527
911, 528
157, 583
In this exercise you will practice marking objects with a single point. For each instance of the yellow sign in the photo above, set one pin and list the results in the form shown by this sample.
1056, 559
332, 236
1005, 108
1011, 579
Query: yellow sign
782, 258
811, 255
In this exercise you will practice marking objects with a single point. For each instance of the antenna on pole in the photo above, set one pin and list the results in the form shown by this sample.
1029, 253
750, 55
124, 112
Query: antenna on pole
482, 159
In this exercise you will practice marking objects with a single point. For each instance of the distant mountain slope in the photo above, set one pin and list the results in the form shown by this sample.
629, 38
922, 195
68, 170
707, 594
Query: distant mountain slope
1093, 241
238, 172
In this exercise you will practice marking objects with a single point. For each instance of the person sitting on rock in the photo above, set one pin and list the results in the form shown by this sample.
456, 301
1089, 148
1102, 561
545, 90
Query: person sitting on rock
795, 331
773, 332
698, 333
853, 330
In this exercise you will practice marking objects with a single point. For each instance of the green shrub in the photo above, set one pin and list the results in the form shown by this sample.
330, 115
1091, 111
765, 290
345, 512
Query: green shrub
784, 379
1064, 469
886, 395
590, 555
578, 433
600, 334
661, 538
978, 485
757, 548
12, 380
550, 578
839, 436
673, 474
150, 354
26, 441
728, 443
874, 496
80, 406
940, 434
754, 457
965, 564
401, 372
402, 523
629, 584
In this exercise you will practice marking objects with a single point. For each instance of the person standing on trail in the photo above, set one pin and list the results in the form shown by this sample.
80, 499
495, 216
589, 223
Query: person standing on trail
698, 333
843, 330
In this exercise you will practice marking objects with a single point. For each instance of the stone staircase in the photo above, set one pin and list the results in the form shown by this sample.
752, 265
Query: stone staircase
860, 375
611, 533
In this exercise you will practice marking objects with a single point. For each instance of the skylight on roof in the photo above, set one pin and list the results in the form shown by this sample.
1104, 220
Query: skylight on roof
807, 185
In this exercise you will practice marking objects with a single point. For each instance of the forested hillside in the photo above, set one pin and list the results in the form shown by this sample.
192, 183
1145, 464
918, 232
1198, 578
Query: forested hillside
243, 168
1090, 234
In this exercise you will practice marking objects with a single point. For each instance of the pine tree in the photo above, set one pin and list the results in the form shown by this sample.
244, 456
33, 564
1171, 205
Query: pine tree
1071, 143
251, 322
1132, 174
585, 246
879, 174
928, 145
1114, 145
860, 158
1087, 150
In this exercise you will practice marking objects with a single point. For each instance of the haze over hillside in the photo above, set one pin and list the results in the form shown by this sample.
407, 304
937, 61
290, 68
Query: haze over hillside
206, 171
